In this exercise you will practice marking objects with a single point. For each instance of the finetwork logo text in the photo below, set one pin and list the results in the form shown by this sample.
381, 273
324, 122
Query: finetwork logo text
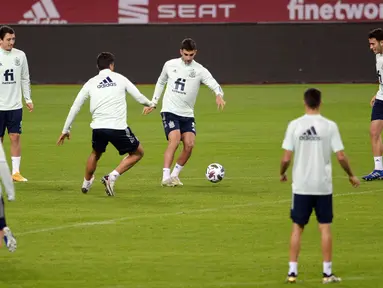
299, 10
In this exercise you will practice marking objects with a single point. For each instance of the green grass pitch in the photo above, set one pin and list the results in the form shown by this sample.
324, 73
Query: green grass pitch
231, 234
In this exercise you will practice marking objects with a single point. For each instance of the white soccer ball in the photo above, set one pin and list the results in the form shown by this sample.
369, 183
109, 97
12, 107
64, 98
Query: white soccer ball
215, 172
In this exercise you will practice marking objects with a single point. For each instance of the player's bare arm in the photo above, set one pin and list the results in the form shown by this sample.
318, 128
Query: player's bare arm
148, 110
220, 102
62, 138
343, 161
372, 101
30, 106
285, 163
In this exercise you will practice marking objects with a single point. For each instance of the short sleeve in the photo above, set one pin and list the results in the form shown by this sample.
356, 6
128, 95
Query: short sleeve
336, 140
288, 142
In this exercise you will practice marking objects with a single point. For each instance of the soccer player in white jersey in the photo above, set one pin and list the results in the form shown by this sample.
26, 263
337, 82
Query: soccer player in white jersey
14, 83
6, 179
312, 138
183, 77
107, 93
375, 39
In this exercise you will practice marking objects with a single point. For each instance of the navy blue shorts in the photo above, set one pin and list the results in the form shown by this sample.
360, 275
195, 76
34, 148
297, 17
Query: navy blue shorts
303, 205
11, 120
377, 110
123, 140
174, 122
3, 223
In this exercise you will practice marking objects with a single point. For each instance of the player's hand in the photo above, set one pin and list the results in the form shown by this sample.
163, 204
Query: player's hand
372, 101
283, 178
147, 110
62, 138
220, 102
30, 106
354, 181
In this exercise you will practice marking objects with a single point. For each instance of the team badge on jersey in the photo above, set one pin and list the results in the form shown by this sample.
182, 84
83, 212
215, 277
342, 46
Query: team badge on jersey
17, 61
192, 74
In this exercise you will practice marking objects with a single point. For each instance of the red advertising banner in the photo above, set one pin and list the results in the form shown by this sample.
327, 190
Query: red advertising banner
58, 12
235, 11
189, 11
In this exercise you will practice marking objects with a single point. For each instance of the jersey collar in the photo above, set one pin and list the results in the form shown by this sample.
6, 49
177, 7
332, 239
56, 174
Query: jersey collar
4, 51
186, 65
104, 71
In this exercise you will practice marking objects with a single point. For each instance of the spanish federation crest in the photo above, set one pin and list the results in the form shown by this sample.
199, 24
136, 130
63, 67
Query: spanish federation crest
192, 74
17, 61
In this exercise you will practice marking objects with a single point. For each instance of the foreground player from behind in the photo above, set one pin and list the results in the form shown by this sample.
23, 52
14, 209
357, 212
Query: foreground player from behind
107, 92
6, 179
375, 39
14, 83
312, 138
183, 77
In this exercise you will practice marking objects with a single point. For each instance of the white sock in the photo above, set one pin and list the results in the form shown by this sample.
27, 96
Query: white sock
176, 170
327, 268
114, 175
88, 182
165, 174
293, 268
16, 164
378, 163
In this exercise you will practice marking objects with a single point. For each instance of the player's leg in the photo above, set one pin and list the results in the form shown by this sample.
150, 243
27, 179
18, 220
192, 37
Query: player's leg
6, 233
381, 146
188, 133
91, 166
173, 135
188, 140
126, 143
99, 143
376, 128
300, 213
324, 214
14, 122
128, 162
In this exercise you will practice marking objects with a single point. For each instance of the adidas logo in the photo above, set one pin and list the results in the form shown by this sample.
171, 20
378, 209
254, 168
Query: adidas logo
310, 135
42, 12
107, 82
133, 11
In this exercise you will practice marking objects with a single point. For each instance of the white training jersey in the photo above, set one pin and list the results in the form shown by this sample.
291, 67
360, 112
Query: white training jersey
183, 83
379, 72
313, 138
14, 79
107, 93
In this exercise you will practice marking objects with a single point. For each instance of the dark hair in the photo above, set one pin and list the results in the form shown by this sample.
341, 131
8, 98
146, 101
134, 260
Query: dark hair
188, 44
312, 98
376, 33
104, 59
5, 30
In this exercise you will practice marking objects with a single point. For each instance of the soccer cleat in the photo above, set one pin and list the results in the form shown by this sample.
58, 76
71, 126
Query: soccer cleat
374, 175
167, 183
291, 278
86, 185
176, 181
109, 185
9, 239
17, 177
330, 279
